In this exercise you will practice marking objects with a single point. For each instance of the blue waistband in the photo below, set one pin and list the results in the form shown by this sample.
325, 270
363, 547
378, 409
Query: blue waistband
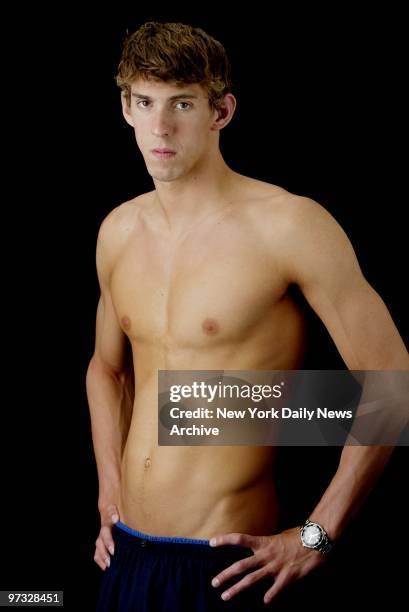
152, 538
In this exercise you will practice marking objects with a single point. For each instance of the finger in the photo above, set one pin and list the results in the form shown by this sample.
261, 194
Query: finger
241, 539
101, 560
101, 564
237, 568
279, 583
244, 583
106, 536
102, 552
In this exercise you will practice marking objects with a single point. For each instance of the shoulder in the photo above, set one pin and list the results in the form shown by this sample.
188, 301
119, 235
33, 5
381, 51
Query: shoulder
120, 221
275, 202
314, 250
298, 232
292, 217
261, 199
303, 213
116, 228
307, 226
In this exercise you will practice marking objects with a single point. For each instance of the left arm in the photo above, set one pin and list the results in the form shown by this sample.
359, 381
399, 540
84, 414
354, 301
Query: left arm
358, 321
318, 257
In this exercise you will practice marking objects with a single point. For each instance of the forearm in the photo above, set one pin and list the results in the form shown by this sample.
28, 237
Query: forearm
361, 466
110, 411
359, 469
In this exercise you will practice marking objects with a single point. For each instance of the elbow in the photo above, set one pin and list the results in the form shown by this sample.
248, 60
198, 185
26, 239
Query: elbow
97, 367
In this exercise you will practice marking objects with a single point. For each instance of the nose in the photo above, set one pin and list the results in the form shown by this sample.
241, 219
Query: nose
161, 123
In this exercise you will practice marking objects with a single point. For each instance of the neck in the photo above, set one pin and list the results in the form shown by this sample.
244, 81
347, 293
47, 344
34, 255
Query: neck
194, 196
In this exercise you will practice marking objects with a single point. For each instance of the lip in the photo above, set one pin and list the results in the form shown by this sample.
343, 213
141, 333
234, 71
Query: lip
163, 153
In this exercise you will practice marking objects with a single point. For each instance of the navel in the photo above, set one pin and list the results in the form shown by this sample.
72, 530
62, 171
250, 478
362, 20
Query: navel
148, 462
210, 327
126, 322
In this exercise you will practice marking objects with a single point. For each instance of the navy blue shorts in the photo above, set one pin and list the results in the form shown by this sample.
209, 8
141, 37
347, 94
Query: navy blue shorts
161, 574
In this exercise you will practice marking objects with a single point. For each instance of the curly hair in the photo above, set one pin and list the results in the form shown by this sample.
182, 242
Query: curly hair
175, 52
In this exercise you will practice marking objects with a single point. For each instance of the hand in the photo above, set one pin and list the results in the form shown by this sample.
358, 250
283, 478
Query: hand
280, 556
104, 541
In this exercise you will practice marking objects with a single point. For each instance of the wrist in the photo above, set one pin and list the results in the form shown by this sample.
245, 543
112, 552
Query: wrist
313, 535
329, 521
108, 496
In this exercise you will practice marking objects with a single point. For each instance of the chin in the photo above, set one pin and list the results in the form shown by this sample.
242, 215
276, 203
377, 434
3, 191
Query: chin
164, 177
160, 177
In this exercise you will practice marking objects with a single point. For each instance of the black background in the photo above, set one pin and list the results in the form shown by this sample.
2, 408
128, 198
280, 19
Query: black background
320, 112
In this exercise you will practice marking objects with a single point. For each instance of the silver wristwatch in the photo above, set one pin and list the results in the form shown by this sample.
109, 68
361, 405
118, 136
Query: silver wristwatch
314, 536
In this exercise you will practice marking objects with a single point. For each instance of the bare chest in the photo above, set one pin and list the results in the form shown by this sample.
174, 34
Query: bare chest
214, 286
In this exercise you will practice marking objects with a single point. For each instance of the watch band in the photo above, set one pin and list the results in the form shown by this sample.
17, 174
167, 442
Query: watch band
325, 545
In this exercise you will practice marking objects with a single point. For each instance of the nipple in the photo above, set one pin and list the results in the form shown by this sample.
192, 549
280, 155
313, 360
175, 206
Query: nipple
126, 322
210, 327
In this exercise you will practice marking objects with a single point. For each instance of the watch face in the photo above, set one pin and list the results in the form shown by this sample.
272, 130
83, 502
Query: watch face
312, 535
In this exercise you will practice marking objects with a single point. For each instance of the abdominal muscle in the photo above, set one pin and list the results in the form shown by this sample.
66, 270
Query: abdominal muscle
195, 491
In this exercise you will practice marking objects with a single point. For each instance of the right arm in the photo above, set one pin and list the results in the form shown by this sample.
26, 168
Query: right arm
109, 380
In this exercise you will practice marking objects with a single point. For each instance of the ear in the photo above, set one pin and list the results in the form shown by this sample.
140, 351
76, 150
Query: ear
224, 112
126, 110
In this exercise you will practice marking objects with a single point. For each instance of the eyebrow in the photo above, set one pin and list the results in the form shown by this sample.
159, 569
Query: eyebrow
185, 95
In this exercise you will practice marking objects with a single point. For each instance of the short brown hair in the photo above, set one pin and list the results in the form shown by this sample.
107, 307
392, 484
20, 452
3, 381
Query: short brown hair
175, 52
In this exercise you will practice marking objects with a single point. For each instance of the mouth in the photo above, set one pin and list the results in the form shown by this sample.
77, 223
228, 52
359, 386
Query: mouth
163, 153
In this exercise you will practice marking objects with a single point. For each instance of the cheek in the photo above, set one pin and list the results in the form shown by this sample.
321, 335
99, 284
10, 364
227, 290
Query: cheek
200, 140
141, 138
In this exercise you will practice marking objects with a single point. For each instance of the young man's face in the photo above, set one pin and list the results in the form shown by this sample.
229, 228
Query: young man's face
166, 116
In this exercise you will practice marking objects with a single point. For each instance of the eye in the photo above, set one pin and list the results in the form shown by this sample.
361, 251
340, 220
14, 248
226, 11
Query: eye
141, 102
187, 104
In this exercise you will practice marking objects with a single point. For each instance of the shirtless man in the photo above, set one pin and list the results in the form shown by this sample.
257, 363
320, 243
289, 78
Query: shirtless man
196, 275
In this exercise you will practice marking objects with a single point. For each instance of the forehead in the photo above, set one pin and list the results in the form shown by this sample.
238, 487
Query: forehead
162, 89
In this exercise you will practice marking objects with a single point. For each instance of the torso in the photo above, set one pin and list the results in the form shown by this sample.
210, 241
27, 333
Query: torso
213, 300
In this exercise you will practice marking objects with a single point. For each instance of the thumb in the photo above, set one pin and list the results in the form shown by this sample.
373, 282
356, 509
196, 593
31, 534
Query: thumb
113, 513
